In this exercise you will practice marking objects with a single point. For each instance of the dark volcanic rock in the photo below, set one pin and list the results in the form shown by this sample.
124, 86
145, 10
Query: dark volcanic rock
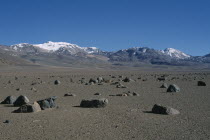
97, 103
47, 103
159, 109
21, 100
57, 82
9, 100
201, 83
173, 88
28, 108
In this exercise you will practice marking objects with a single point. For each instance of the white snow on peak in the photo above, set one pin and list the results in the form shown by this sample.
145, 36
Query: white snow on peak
54, 46
175, 53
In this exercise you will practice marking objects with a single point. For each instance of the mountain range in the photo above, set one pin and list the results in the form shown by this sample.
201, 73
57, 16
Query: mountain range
67, 54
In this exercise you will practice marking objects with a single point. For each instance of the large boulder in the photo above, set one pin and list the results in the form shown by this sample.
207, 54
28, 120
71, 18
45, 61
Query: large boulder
9, 100
28, 108
173, 88
47, 103
21, 100
159, 109
96, 103
201, 83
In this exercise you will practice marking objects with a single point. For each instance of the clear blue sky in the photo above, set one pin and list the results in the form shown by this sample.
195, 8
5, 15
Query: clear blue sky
109, 24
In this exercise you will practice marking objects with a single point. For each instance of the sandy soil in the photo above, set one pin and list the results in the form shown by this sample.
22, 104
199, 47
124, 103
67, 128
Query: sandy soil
123, 118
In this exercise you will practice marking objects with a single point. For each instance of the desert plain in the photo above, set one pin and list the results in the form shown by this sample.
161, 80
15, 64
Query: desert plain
124, 118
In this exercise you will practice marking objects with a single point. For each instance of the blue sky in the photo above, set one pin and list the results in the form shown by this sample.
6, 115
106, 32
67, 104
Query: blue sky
109, 24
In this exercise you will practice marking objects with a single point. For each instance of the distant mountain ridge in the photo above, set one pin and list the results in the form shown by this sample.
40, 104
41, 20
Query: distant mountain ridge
56, 52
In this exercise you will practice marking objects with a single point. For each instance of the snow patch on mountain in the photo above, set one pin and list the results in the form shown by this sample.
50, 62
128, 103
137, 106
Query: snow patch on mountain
175, 53
54, 46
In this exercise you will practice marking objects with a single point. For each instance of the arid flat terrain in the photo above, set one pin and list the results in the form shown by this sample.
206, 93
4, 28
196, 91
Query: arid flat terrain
124, 118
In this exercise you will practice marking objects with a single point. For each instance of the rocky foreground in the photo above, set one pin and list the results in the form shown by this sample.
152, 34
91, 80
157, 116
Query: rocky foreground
96, 104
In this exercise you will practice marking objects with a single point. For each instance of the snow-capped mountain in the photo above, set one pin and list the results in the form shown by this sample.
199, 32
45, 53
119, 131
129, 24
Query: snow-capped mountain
144, 53
53, 47
61, 52
175, 53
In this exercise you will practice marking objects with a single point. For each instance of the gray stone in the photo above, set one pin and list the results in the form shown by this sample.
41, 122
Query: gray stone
28, 108
159, 109
21, 100
70, 94
9, 100
100, 79
96, 103
47, 103
173, 88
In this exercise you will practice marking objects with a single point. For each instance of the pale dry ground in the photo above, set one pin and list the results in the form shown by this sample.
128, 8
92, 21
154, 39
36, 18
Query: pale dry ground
123, 118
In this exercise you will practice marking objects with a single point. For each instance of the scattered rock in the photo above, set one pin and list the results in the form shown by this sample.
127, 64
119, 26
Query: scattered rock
159, 109
57, 82
70, 94
135, 94
28, 108
9, 100
6, 121
21, 100
47, 103
124, 94
127, 80
97, 94
93, 81
97, 103
100, 79
173, 88
161, 78
201, 83
18, 89
164, 85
